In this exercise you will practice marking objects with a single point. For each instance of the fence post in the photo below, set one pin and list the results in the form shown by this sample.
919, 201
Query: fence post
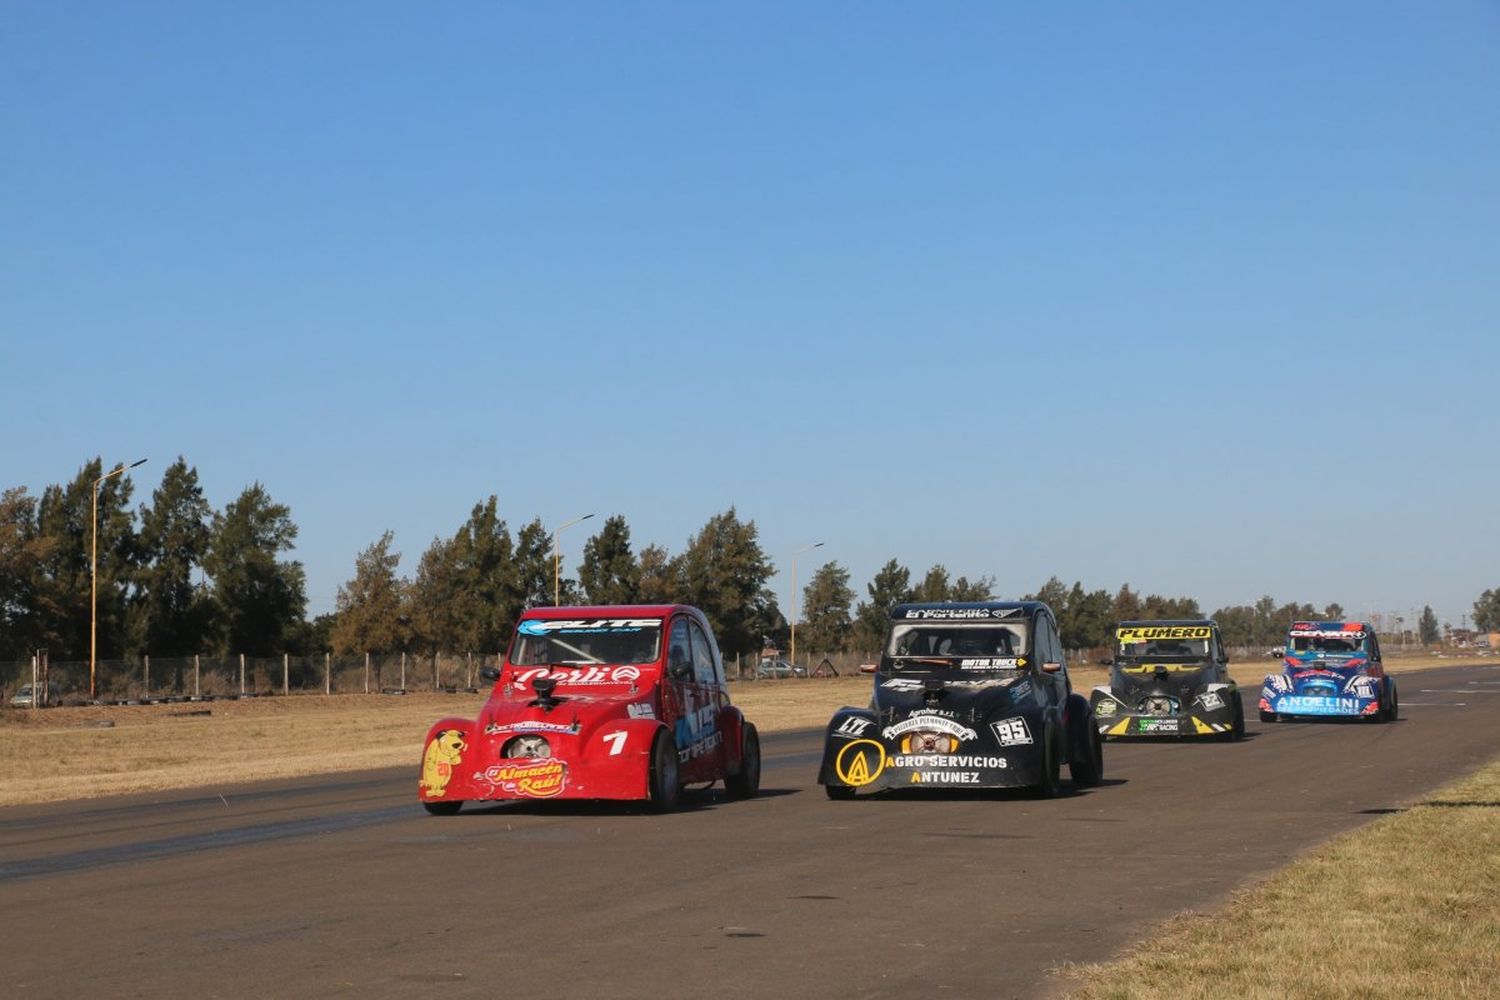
146, 666
34, 698
196, 693
403, 670
285, 675
469, 670
436, 672
242, 673
328, 673
367, 673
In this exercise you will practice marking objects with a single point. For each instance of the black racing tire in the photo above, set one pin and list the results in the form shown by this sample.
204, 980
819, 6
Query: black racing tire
1268, 716
1049, 782
443, 808
1086, 759
746, 783
1393, 705
664, 787
839, 793
1236, 722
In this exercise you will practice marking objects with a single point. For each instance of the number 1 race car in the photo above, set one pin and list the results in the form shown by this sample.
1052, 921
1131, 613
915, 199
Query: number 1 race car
1169, 679
597, 703
1330, 669
966, 695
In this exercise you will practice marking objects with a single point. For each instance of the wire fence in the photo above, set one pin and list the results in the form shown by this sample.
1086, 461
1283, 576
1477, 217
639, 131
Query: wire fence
239, 676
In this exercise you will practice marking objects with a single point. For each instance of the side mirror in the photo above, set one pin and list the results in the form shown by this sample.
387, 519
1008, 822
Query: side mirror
867, 668
1051, 668
490, 673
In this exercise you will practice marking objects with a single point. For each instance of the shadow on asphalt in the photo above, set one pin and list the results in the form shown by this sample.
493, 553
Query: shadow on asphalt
1328, 720
1430, 805
1069, 791
1201, 741
691, 801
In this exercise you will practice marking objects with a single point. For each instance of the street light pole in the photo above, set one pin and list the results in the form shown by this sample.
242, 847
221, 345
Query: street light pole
792, 601
94, 571
557, 556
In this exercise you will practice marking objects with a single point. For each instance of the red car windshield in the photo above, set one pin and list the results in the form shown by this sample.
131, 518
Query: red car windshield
542, 642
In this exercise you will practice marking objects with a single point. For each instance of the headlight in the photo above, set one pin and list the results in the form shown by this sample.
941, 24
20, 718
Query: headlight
929, 743
527, 746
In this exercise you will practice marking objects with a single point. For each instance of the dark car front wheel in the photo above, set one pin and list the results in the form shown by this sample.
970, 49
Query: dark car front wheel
1086, 746
1049, 782
839, 793
442, 808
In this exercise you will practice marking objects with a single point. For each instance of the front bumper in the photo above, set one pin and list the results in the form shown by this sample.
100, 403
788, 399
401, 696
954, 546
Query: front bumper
1345, 706
1198, 719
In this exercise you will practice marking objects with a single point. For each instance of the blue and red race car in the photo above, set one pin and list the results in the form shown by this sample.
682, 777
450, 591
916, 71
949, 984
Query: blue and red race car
1332, 669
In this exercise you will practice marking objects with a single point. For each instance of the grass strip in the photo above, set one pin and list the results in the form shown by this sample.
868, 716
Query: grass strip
1407, 906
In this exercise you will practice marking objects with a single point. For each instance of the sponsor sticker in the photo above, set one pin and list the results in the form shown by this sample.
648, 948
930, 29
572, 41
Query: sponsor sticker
536, 778
953, 614
945, 778
902, 684
1012, 732
990, 663
571, 676
1326, 633
1298, 702
1143, 633
641, 710
860, 762
853, 727
1156, 726
531, 727
936, 723
574, 626
1106, 707
949, 760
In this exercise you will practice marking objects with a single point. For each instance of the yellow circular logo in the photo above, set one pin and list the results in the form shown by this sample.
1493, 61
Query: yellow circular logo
853, 764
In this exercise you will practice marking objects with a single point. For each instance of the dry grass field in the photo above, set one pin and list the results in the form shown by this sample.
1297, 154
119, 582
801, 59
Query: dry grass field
1408, 906
73, 753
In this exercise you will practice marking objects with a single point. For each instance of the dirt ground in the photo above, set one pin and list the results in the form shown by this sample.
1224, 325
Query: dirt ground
70, 753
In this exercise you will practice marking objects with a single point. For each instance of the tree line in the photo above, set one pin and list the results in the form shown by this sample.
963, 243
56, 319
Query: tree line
176, 576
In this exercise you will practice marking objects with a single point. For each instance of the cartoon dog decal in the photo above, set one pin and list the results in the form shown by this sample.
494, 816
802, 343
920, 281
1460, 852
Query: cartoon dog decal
437, 763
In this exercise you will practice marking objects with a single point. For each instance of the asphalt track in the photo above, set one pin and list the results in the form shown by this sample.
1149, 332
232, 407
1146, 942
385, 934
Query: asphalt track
342, 885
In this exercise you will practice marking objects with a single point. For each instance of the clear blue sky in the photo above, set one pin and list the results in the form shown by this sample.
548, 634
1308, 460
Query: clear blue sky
1202, 297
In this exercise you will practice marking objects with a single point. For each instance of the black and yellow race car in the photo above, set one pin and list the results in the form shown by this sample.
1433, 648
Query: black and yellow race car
1169, 678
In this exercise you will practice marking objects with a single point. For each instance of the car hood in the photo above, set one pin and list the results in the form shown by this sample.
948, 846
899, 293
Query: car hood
962, 698
570, 713
1176, 679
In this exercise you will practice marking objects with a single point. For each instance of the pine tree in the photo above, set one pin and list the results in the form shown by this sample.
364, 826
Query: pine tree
608, 572
826, 625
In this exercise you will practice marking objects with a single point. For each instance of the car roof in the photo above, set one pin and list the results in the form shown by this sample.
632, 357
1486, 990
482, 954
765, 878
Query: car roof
609, 611
1341, 626
934, 610
1165, 622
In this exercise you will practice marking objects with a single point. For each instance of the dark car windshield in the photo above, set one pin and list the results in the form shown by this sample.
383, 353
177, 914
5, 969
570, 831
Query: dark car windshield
1163, 642
909, 645
586, 640
1328, 643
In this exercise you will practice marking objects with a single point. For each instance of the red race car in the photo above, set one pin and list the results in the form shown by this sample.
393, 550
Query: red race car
621, 702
